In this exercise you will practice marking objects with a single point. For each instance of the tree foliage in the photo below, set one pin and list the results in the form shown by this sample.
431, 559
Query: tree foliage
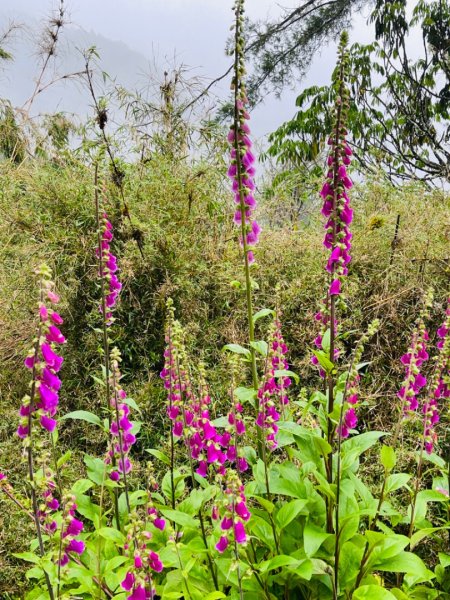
283, 48
400, 102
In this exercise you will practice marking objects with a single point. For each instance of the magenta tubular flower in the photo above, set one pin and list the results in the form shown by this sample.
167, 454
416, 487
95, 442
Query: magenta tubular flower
272, 393
122, 439
235, 513
108, 269
242, 170
439, 389
139, 577
338, 213
414, 381
44, 364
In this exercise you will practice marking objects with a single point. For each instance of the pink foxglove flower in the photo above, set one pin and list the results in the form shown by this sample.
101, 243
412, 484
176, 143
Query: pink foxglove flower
242, 170
235, 513
122, 438
272, 393
108, 269
439, 389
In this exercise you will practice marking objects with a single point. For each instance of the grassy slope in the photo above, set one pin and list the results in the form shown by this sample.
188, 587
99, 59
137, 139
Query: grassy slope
190, 254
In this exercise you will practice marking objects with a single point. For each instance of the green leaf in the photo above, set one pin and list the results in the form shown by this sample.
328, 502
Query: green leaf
288, 512
64, 458
405, 562
96, 469
444, 559
266, 504
360, 443
158, 454
237, 349
326, 341
372, 592
388, 458
324, 361
131, 402
287, 373
83, 415
313, 538
180, 518
28, 556
260, 346
215, 596
281, 560
423, 533
264, 312
81, 486
396, 481
112, 535
244, 394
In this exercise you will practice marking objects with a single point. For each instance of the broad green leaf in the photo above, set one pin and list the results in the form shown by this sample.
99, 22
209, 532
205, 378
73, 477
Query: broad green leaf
372, 592
405, 562
180, 518
444, 559
288, 512
396, 481
160, 455
304, 570
96, 469
324, 361
27, 556
287, 373
388, 458
244, 394
81, 486
131, 402
264, 312
423, 533
326, 341
237, 349
266, 504
112, 535
281, 560
260, 346
313, 538
84, 415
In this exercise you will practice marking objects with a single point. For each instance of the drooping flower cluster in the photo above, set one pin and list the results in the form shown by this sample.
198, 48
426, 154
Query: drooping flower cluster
121, 427
234, 513
272, 393
108, 269
138, 579
215, 452
242, 170
44, 363
189, 409
439, 385
349, 415
71, 528
336, 205
413, 360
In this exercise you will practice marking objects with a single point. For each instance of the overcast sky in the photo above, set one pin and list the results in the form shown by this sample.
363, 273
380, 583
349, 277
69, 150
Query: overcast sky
161, 32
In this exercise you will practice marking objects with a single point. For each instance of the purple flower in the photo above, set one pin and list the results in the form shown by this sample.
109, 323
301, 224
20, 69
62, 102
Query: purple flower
48, 423
75, 527
335, 287
239, 533
76, 546
128, 582
222, 544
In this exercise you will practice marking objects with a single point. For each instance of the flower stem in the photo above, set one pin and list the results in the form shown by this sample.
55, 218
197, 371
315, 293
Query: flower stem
30, 457
104, 327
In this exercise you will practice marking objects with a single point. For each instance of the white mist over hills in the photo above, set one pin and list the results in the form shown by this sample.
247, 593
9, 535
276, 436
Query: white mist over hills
137, 39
